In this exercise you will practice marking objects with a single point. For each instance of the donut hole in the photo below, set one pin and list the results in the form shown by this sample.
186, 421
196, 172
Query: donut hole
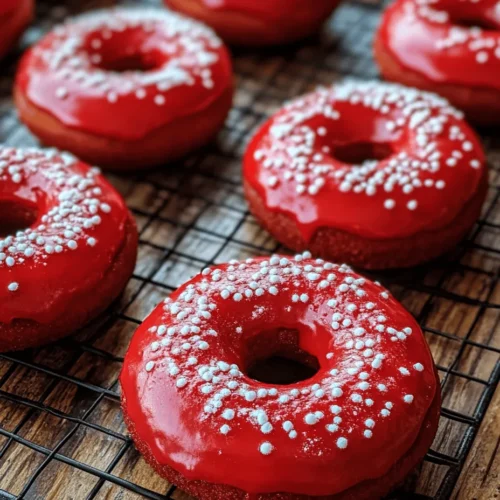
16, 215
129, 62
357, 153
124, 52
275, 357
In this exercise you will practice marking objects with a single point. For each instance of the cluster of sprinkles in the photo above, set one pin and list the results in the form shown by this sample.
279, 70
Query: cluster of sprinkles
77, 52
349, 395
485, 46
297, 152
77, 207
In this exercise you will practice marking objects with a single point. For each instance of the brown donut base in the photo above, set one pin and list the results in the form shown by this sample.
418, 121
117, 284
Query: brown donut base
13, 25
86, 304
372, 489
340, 246
244, 30
165, 144
480, 105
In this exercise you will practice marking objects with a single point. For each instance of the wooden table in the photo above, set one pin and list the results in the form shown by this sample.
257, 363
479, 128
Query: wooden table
61, 431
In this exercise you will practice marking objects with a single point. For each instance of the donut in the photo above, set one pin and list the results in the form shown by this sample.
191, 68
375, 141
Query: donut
353, 429
375, 175
126, 88
448, 47
253, 24
15, 15
68, 246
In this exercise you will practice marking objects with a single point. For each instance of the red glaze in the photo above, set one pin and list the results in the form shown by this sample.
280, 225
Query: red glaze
76, 227
8, 5
191, 405
435, 163
15, 15
124, 73
245, 22
428, 37
272, 10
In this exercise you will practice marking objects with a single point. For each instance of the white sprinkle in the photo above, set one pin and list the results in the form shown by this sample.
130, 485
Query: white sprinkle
150, 365
311, 419
13, 286
266, 448
228, 414
342, 443
266, 428
250, 395
181, 382
389, 204
337, 392
408, 398
225, 429
412, 205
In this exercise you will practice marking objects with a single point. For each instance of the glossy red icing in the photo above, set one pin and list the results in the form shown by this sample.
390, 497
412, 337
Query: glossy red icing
189, 399
437, 39
273, 10
76, 229
85, 72
434, 166
6, 6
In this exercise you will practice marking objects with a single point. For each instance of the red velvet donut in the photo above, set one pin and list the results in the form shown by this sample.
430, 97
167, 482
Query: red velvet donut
447, 46
126, 88
376, 175
353, 430
67, 246
15, 15
259, 23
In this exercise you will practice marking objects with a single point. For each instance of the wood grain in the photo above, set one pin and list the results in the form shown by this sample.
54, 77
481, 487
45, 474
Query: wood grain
480, 478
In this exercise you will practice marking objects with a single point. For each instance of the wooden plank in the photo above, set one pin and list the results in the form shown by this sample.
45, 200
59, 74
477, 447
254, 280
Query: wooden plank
480, 478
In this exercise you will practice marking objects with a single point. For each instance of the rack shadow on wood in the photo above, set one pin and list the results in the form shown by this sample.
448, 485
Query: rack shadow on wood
61, 430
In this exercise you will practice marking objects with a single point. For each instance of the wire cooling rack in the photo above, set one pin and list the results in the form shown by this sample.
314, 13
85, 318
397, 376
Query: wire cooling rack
61, 431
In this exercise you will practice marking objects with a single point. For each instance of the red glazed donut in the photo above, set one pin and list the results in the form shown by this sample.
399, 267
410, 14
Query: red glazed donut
126, 88
372, 174
67, 246
353, 430
251, 23
15, 15
446, 46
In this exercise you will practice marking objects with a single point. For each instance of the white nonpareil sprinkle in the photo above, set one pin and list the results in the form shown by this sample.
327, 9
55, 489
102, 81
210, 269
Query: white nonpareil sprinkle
266, 448
13, 287
342, 443
76, 209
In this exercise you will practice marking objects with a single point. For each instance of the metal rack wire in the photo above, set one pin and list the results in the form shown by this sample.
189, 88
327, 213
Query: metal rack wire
61, 432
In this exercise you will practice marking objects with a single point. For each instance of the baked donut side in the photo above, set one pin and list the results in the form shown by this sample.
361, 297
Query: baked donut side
377, 175
367, 490
204, 421
245, 23
126, 88
85, 305
68, 246
164, 145
14, 17
342, 246
450, 48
